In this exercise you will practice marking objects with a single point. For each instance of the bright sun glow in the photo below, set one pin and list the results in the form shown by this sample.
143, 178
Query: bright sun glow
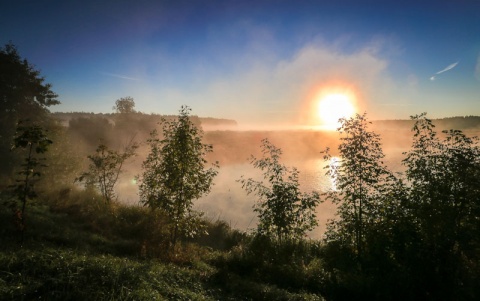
332, 107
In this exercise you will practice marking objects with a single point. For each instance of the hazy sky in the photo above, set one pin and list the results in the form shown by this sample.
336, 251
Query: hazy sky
253, 61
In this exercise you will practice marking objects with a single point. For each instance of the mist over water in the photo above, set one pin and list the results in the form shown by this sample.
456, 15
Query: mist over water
227, 200
301, 148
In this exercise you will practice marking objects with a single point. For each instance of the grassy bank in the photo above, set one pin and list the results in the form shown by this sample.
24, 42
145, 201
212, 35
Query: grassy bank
77, 248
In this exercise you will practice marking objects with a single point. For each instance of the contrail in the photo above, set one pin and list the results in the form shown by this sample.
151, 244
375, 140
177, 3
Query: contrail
119, 76
449, 67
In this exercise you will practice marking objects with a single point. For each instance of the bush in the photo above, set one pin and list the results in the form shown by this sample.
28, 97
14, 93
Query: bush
220, 236
293, 265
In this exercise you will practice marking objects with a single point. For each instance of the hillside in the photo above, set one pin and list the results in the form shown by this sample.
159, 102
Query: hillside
420, 241
75, 248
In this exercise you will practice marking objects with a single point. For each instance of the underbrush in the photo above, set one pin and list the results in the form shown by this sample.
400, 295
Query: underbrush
59, 274
78, 248
289, 268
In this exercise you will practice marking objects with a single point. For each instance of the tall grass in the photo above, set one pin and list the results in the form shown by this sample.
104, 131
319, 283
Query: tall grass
291, 266
78, 248
54, 274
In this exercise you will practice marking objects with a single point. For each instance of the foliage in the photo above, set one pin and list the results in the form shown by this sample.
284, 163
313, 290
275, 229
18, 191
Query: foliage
80, 249
175, 174
220, 236
105, 167
283, 211
124, 105
274, 270
64, 159
360, 182
54, 274
444, 197
419, 234
80, 220
34, 141
23, 95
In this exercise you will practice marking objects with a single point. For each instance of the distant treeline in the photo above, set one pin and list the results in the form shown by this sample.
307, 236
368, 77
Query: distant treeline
65, 117
458, 122
232, 145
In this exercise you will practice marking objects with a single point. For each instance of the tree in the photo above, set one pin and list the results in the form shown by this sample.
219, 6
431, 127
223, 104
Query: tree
444, 180
415, 237
126, 122
283, 211
124, 105
174, 174
23, 95
361, 180
105, 168
32, 139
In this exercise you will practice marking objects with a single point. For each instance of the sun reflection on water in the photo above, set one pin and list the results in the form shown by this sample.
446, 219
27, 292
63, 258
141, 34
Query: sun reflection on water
314, 174
334, 165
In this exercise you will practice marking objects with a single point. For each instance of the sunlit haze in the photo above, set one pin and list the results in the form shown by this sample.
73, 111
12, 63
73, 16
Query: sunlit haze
332, 107
257, 62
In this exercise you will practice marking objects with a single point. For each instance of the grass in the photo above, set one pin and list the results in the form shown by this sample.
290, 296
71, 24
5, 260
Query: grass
77, 248
54, 274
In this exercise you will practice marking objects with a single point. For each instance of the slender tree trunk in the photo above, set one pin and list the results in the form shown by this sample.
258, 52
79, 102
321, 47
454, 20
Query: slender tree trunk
25, 193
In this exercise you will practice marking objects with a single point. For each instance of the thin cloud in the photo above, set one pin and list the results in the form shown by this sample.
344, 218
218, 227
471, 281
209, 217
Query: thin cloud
449, 67
285, 87
119, 76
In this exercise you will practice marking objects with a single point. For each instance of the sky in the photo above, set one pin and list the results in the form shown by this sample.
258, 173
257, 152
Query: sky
258, 62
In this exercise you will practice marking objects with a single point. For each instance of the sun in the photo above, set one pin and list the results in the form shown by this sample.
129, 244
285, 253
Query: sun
332, 107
